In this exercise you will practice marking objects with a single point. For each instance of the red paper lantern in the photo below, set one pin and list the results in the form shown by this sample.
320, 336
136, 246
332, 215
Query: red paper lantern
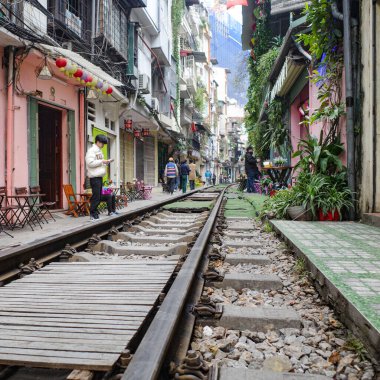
109, 91
145, 132
193, 127
61, 62
89, 79
128, 124
136, 133
78, 73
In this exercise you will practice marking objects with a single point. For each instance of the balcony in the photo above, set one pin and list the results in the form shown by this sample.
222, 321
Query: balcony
133, 3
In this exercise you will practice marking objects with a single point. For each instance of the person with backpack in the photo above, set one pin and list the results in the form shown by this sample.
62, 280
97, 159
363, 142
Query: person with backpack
184, 171
171, 173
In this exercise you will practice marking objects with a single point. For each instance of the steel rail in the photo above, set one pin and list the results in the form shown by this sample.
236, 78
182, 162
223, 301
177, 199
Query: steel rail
149, 357
76, 237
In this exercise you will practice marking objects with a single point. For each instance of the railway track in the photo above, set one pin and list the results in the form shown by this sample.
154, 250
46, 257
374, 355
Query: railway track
132, 299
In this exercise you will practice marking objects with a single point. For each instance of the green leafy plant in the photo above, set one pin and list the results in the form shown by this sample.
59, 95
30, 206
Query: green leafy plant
279, 204
300, 267
267, 228
319, 156
355, 345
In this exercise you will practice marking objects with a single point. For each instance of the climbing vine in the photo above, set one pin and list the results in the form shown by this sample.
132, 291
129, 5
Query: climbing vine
325, 44
178, 7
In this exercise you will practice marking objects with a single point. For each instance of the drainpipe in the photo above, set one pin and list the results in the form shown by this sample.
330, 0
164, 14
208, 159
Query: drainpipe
10, 122
82, 118
350, 136
374, 104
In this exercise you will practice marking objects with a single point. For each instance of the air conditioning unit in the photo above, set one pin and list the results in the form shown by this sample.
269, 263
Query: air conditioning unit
155, 104
144, 84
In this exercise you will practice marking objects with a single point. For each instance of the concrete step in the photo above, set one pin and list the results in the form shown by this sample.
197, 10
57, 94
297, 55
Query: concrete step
372, 219
241, 244
260, 319
241, 227
163, 231
236, 235
151, 239
228, 373
240, 281
186, 226
89, 257
235, 259
146, 250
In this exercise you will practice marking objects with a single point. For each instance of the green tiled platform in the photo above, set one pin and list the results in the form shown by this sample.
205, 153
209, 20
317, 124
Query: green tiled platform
347, 255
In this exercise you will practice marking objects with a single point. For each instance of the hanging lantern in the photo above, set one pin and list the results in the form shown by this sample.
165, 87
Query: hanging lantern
89, 79
128, 124
109, 90
136, 133
99, 85
193, 127
145, 132
84, 77
61, 63
78, 73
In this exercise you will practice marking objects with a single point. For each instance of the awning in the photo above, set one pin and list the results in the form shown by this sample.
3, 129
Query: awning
199, 56
79, 60
286, 6
288, 75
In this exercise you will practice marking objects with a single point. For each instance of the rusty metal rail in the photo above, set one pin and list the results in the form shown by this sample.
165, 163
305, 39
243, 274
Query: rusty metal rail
51, 246
151, 353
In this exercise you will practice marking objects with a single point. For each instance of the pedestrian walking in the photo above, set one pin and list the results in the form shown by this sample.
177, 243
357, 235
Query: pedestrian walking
213, 179
220, 178
96, 170
171, 173
177, 185
192, 174
208, 177
251, 170
184, 171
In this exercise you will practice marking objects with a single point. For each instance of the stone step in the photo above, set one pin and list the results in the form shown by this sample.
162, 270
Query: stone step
146, 250
164, 231
260, 319
372, 219
157, 238
240, 281
241, 244
235, 259
227, 373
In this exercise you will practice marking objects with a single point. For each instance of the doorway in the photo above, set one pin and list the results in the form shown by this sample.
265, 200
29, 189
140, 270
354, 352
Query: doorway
139, 159
50, 153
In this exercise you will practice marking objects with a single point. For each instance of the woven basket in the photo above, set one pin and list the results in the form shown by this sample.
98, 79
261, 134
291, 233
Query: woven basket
299, 213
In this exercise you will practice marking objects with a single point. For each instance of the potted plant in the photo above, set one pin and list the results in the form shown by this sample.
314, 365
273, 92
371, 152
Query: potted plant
332, 202
279, 161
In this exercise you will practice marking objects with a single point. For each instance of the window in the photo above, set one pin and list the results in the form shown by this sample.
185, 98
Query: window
112, 125
106, 123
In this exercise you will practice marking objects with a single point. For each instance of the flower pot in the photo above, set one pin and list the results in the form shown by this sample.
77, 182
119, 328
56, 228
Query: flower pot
299, 213
330, 216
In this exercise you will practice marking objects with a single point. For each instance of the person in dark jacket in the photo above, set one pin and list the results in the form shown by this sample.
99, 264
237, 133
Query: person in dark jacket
251, 170
184, 171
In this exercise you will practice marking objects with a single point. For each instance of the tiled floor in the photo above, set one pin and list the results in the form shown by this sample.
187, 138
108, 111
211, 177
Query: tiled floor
348, 254
67, 223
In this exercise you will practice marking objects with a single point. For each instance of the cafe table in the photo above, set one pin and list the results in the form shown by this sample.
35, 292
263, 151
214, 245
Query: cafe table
26, 214
278, 174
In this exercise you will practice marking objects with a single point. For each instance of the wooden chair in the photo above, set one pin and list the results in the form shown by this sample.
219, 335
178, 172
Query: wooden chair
43, 206
78, 204
121, 198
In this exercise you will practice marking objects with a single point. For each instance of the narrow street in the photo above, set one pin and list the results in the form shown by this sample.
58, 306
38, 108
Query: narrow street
189, 190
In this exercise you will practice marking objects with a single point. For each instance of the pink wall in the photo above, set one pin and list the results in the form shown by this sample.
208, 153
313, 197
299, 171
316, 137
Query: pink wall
65, 97
297, 132
3, 114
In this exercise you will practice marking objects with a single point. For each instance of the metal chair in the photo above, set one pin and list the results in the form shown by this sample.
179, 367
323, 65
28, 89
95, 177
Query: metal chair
42, 206
4, 211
